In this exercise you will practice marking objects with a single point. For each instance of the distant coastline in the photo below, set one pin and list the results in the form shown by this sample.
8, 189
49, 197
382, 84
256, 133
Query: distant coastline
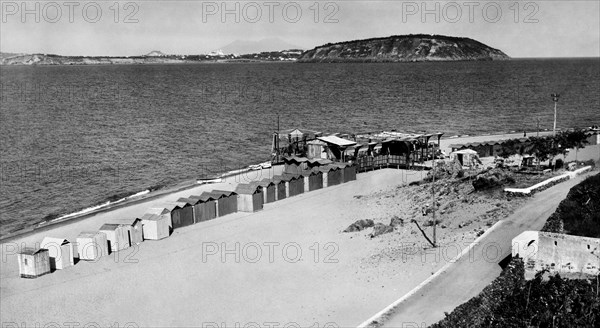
52, 59
395, 48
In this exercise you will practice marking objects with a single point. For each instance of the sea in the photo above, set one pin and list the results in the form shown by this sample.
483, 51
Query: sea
75, 138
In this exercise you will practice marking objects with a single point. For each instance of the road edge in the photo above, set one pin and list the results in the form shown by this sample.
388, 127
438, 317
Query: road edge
379, 318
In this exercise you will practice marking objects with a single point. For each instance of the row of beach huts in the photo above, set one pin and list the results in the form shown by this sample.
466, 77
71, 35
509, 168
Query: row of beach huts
299, 175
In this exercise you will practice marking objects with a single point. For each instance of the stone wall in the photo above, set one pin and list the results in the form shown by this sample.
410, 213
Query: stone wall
571, 256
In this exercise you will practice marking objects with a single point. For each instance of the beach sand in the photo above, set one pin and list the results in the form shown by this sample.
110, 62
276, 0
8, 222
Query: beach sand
183, 281
246, 268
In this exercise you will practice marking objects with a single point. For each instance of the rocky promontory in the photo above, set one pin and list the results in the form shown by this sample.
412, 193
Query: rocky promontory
403, 48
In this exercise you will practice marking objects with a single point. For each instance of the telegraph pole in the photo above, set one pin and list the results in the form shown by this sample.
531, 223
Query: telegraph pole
555, 97
433, 204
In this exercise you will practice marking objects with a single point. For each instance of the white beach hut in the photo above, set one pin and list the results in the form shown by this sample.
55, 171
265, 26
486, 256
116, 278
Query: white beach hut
156, 223
117, 236
136, 233
33, 262
60, 251
92, 245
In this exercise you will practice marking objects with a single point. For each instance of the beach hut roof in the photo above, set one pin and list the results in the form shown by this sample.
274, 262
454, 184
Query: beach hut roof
225, 193
319, 161
330, 167
110, 226
266, 182
53, 240
337, 141
307, 173
88, 234
290, 176
294, 159
32, 251
157, 211
174, 205
152, 217
189, 200
136, 221
205, 196
247, 188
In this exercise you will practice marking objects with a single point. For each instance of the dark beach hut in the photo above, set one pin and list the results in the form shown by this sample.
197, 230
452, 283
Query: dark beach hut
294, 184
205, 208
341, 166
33, 262
182, 214
350, 172
280, 188
226, 201
332, 175
250, 197
313, 180
269, 190
294, 164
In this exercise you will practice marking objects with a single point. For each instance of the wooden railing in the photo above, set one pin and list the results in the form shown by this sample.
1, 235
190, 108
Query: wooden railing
367, 163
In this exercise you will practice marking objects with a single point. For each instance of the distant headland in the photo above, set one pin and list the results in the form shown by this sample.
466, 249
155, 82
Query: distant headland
398, 48
403, 48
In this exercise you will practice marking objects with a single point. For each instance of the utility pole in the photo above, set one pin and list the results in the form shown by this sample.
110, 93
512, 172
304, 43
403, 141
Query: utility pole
433, 204
555, 97
277, 152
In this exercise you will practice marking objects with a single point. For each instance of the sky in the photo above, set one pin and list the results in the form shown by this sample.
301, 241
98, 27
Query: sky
520, 28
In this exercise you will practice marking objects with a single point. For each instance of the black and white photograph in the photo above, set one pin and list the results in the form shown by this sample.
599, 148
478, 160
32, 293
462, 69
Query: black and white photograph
305, 163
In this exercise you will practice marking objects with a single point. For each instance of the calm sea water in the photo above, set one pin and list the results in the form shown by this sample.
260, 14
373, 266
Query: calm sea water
76, 136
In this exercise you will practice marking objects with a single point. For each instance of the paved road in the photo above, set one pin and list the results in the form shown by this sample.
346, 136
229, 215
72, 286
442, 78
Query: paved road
474, 271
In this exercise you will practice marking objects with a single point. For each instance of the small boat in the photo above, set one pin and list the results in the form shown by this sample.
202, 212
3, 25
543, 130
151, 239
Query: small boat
211, 180
260, 166
255, 167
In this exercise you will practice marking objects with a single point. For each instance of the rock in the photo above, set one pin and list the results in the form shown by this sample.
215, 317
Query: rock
492, 178
396, 221
380, 229
360, 225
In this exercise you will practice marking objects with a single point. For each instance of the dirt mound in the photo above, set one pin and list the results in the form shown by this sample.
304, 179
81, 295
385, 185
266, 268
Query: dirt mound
360, 225
492, 178
445, 170
380, 229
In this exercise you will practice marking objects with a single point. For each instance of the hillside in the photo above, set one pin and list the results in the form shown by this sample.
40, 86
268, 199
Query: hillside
579, 213
512, 301
403, 48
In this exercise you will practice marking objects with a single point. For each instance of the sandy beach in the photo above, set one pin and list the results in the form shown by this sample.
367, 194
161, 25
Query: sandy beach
247, 268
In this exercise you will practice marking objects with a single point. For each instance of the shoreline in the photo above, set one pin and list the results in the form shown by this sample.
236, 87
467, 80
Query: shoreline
72, 216
124, 202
